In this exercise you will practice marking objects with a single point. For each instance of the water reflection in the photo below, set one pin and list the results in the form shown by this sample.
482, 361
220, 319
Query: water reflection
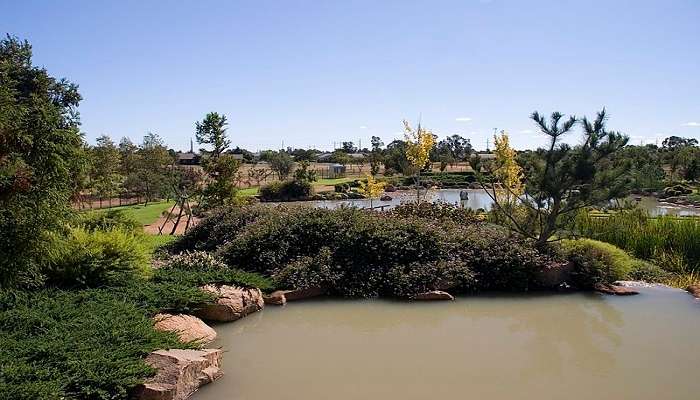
496, 346
480, 199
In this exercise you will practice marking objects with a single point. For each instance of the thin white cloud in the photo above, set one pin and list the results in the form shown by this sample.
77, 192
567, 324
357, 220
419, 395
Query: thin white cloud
363, 127
693, 124
527, 131
463, 119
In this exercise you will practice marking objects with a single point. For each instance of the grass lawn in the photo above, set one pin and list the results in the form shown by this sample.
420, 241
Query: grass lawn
334, 181
146, 215
247, 192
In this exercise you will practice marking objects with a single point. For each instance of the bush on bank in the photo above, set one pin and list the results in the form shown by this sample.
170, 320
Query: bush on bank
361, 253
286, 190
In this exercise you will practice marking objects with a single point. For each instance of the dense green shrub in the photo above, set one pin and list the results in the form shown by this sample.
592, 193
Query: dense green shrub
92, 259
597, 262
74, 345
286, 190
221, 227
647, 272
107, 220
361, 253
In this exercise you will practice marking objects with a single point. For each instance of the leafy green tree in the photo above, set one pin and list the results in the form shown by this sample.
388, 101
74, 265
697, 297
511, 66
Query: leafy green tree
395, 158
303, 173
153, 164
349, 148
41, 153
376, 155
221, 188
212, 131
282, 164
106, 160
564, 179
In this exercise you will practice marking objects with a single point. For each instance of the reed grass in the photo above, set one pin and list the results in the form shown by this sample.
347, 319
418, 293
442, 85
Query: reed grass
671, 242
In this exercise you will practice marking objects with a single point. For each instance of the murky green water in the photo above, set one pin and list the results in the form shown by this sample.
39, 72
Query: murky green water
575, 346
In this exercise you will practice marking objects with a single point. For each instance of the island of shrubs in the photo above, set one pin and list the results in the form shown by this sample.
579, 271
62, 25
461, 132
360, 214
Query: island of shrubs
412, 249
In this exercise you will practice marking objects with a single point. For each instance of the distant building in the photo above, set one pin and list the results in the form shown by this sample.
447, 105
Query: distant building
189, 158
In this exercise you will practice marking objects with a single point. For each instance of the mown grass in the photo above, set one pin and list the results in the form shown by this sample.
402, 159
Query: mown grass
144, 214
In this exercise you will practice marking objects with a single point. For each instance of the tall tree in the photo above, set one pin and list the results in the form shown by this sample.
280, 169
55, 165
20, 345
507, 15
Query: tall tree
376, 156
212, 131
154, 161
106, 161
41, 153
419, 143
564, 179
282, 163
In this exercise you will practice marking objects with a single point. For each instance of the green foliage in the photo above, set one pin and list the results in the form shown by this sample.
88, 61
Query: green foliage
438, 211
212, 130
597, 262
362, 253
195, 261
92, 259
221, 188
647, 272
281, 163
563, 179
286, 190
656, 239
41, 156
109, 219
74, 345
303, 173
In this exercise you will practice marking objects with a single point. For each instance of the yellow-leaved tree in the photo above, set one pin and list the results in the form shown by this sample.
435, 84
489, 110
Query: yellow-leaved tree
419, 142
507, 171
372, 188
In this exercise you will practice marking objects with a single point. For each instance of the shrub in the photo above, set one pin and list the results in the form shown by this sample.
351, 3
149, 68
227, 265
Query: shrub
195, 261
286, 190
74, 345
92, 259
438, 211
362, 253
597, 262
107, 220
647, 272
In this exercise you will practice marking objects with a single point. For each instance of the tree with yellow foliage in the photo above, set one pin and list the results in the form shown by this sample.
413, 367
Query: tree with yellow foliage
372, 188
507, 171
419, 142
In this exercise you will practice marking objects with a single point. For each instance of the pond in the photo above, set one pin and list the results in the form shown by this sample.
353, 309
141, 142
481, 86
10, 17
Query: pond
573, 346
478, 198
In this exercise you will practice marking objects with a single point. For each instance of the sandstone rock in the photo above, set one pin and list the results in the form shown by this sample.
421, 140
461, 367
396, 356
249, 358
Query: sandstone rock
276, 298
614, 289
433, 295
299, 294
390, 188
232, 303
179, 373
187, 327
694, 290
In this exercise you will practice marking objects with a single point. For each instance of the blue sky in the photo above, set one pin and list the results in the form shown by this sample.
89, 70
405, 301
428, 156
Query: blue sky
318, 72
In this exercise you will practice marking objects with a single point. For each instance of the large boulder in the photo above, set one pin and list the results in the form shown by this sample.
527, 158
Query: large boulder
614, 289
433, 295
179, 373
232, 303
187, 327
281, 297
694, 290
